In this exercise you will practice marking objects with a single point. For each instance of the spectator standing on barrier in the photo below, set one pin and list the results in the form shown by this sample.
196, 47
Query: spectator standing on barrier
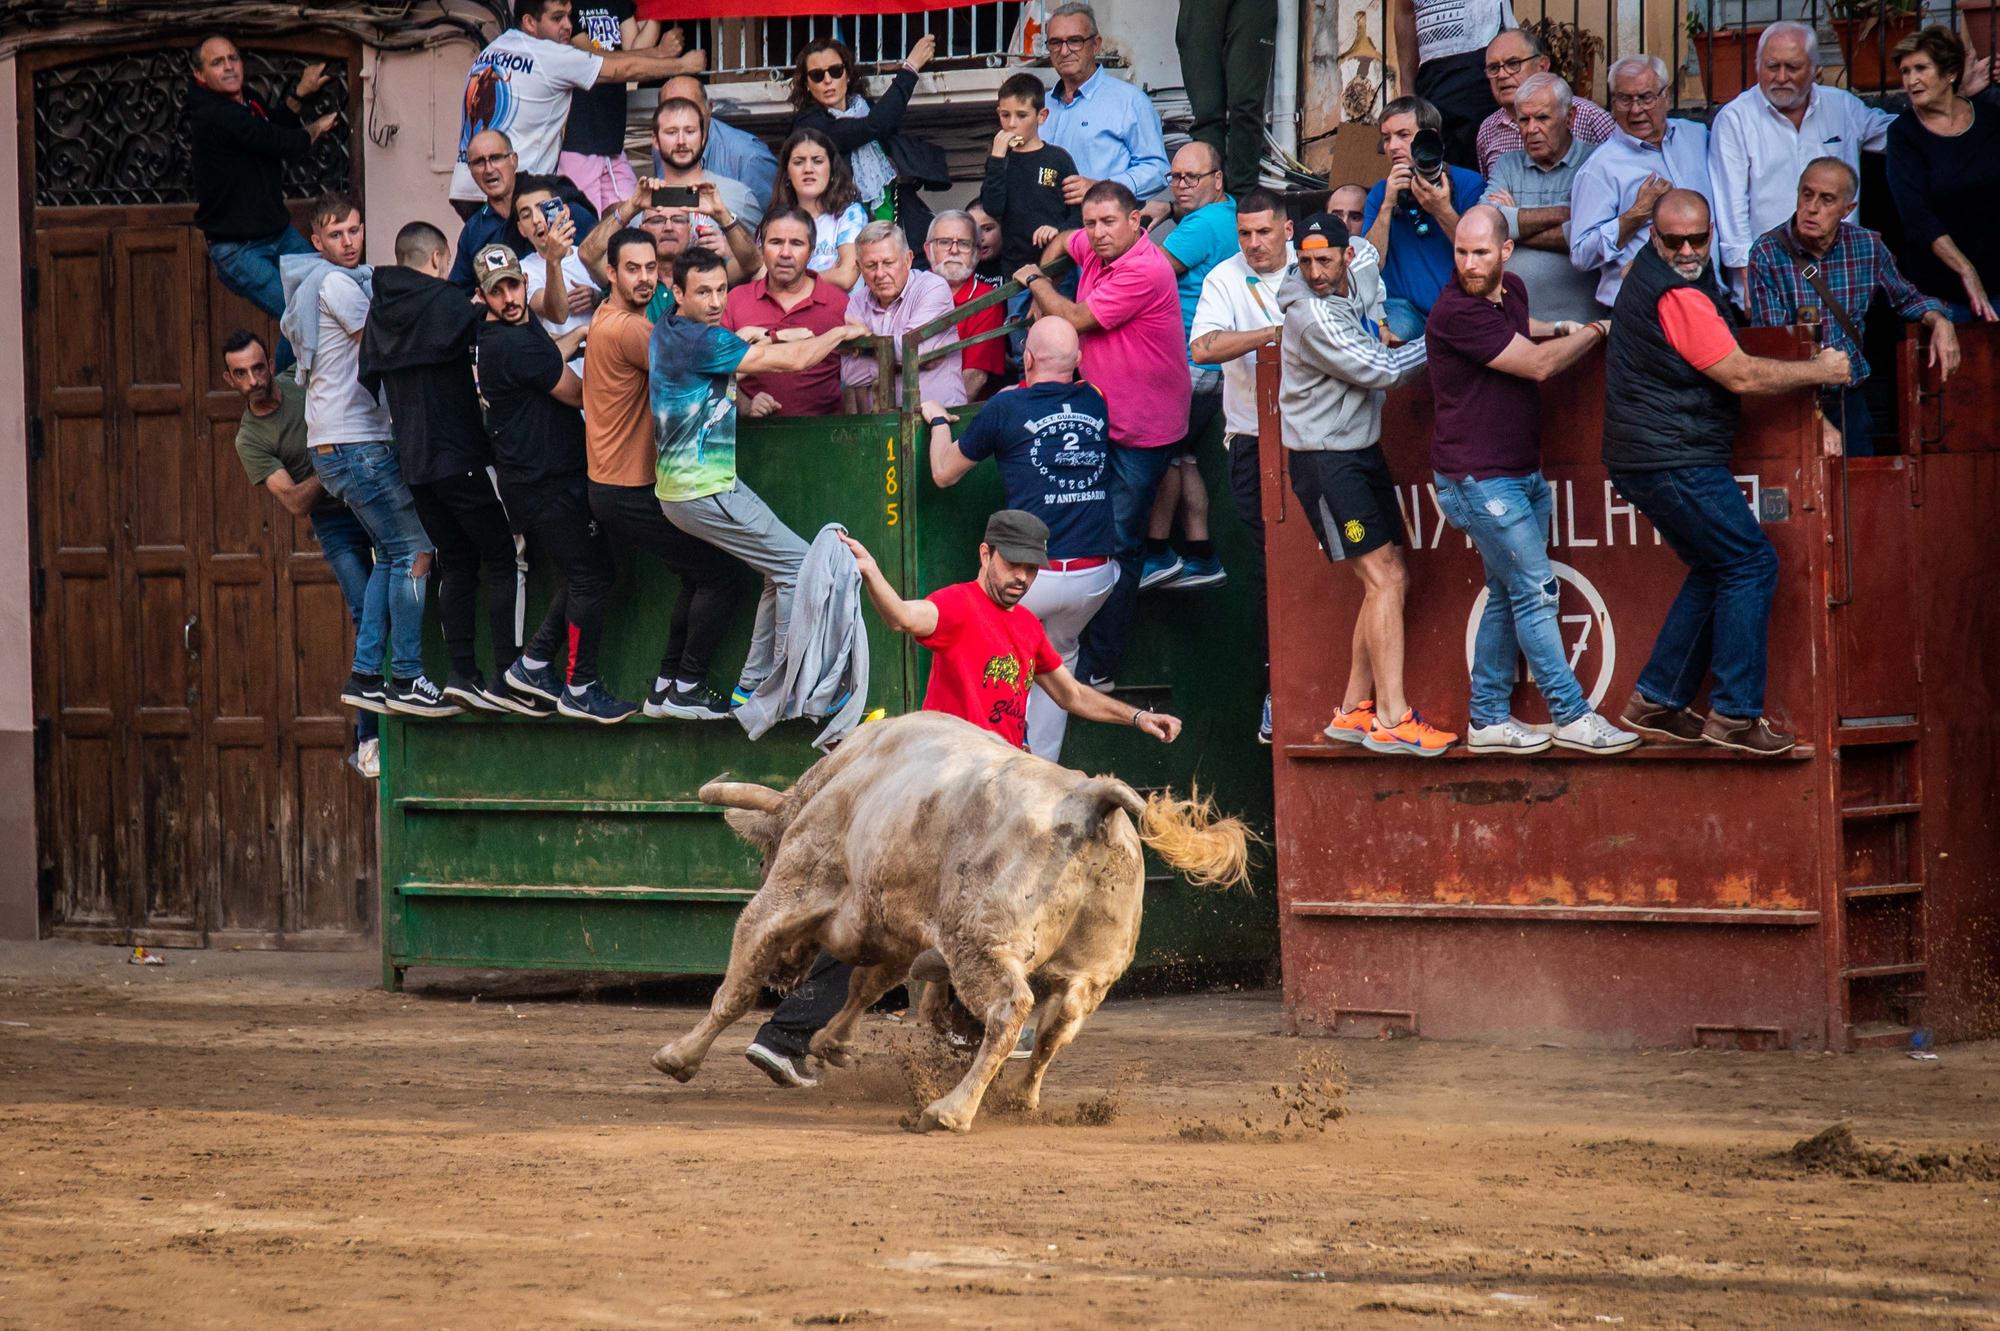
239, 149
521, 85
987, 651
887, 163
1127, 316
1048, 438
1335, 370
495, 170
1441, 58
989, 268
593, 142
952, 248
1512, 58
726, 150
1612, 201
1944, 171
694, 363
532, 400
813, 178
1760, 143
1227, 48
348, 431
723, 214
1531, 187
619, 463
894, 298
1350, 204
1486, 459
416, 351
1106, 125
789, 302
1672, 377
1023, 185
1818, 259
1238, 313
561, 291
1411, 215
271, 445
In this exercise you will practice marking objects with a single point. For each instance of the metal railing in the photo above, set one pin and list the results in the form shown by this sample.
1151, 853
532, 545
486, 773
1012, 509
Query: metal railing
748, 50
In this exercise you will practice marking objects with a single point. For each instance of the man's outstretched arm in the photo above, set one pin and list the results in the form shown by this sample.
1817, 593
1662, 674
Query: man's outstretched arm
919, 619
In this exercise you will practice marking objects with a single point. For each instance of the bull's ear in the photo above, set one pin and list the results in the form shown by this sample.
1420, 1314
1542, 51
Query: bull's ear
758, 828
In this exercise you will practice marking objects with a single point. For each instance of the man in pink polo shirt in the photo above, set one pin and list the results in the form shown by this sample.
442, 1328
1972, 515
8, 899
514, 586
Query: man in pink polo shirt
1127, 315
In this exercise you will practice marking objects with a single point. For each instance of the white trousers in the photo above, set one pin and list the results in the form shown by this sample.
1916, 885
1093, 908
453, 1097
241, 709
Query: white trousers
1065, 603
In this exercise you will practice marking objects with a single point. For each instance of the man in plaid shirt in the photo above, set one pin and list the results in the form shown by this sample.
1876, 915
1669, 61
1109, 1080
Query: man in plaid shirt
1854, 263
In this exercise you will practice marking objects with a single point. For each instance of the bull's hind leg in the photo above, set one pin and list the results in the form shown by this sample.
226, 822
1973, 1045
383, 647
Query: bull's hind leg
997, 992
867, 984
769, 940
1063, 1015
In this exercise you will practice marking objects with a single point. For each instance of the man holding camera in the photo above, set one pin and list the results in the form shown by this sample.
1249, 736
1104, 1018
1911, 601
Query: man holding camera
1410, 217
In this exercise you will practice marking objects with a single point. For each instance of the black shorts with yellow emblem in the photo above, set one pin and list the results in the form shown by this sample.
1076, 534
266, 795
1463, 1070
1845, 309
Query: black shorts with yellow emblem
1349, 498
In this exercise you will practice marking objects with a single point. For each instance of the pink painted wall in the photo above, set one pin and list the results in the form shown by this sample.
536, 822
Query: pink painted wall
17, 768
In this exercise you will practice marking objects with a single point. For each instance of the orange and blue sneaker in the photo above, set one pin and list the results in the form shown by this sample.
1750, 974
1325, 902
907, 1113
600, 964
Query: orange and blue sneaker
1412, 736
1351, 727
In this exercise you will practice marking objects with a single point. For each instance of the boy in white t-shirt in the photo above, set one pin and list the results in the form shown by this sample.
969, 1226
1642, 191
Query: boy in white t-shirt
567, 300
521, 84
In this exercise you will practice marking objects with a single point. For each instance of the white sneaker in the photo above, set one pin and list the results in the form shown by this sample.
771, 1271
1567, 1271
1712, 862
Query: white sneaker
367, 758
1591, 733
1513, 736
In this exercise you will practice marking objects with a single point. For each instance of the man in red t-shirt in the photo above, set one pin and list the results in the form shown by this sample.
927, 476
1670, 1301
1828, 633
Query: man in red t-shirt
952, 246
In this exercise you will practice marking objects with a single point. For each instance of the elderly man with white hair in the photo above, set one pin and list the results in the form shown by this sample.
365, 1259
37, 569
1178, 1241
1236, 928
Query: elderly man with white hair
952, 246
1760, 143
891, 299
1531, 188
1611, 209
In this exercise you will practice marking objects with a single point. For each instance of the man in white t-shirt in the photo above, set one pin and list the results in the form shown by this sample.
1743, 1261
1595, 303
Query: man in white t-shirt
521, 85
562, 293
1236, 314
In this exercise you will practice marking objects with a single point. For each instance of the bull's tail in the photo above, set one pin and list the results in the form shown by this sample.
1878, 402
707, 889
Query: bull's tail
1211, 849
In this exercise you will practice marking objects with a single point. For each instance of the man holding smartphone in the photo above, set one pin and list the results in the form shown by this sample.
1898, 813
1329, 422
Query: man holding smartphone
561, 291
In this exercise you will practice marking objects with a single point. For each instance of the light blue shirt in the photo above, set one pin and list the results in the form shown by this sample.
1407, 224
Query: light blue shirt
740, 155
1607, 184
1198, 242
1111, 131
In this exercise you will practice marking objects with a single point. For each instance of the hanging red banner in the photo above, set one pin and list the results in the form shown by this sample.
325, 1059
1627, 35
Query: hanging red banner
674, 10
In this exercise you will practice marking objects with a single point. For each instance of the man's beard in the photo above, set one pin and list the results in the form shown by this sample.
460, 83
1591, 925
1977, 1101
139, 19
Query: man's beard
954, 271
1478, 284
683, 159
1691, 269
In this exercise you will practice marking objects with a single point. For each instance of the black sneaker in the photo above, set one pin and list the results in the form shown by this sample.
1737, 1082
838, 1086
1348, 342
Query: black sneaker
542, 682
469, 691
788, 1070
700, 703
420, 697
504, 698
366, 692
594, 702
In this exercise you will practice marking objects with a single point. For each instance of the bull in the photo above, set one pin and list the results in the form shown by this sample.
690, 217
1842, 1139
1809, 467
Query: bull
925, 832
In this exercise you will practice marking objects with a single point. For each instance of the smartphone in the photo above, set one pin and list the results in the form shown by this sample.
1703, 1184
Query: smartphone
551, 209
676, 196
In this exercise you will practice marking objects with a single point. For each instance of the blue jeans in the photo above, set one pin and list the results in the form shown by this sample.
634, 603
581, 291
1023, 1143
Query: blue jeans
1135, 477
1720, 619
1405, 320
349, 553
368, 480
1507, 518
250, 269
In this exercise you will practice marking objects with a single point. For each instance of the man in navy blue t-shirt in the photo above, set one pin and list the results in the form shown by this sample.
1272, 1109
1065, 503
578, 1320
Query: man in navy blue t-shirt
1047, 436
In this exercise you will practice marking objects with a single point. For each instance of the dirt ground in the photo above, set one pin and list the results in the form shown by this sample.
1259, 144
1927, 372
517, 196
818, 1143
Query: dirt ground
235, 1140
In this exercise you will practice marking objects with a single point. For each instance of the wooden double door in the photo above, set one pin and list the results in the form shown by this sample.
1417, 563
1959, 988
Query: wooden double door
189, 640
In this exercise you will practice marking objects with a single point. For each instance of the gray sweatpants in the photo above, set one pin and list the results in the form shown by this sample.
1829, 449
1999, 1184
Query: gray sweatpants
1064, 602
738, 522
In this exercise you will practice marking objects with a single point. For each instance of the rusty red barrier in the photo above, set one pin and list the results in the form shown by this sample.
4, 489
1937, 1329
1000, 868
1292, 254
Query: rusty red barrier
1841, 895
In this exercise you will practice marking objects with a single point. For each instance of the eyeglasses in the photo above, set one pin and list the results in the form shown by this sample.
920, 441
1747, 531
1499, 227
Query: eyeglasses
1189, 177
1637, 101
948, 243
491, 159
1495, 67
1693, 240
1071, 43
837, 70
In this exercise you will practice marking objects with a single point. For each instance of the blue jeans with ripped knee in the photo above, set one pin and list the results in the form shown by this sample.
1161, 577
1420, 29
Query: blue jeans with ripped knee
1507, 518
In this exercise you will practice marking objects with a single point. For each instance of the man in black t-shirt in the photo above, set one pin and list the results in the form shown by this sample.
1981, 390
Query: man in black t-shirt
593, 146
534, 416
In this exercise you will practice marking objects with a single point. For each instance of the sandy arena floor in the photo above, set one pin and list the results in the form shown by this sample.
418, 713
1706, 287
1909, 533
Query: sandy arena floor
257, 1140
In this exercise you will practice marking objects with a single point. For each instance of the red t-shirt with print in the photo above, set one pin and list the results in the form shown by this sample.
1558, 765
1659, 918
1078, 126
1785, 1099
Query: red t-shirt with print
983, 660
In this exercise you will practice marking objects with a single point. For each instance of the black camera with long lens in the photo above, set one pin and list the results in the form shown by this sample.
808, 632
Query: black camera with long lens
1426, 159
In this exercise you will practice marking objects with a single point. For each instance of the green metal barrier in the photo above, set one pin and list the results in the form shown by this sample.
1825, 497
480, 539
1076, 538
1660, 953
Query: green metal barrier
565, 845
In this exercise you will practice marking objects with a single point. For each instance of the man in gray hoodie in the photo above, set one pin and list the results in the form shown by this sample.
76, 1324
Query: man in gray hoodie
1336, 367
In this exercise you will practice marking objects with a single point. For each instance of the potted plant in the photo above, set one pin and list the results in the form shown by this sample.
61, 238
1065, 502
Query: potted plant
1868, 31
1728, 56
1573, 52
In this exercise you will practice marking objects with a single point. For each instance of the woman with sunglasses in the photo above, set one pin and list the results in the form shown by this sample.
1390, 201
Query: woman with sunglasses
888, 165
813, 175
1944, 172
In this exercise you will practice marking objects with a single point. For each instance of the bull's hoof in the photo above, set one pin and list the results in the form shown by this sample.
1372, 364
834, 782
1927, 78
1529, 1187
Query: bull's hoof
834, 1055
671, 1063
936, 1119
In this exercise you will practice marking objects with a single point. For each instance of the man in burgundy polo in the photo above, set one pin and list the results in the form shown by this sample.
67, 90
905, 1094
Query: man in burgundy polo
789, 302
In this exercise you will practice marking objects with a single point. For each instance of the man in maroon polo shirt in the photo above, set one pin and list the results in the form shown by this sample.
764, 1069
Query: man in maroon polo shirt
789, 302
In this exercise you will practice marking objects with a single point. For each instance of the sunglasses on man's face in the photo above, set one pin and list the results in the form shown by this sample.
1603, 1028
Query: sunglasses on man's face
1693, 240
836, 70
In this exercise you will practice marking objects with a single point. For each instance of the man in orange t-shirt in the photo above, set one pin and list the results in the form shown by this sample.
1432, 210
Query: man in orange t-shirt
618, 442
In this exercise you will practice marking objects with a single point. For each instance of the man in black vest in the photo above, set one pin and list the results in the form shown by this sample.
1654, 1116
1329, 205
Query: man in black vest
1672, 377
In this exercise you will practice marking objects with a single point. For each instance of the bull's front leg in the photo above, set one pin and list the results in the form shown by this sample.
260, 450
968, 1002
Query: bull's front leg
996, 989
769, 939
864, 987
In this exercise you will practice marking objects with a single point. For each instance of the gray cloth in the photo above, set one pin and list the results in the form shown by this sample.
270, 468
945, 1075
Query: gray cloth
737, 521
824, 653
1334, 367
1556, 290
301, 275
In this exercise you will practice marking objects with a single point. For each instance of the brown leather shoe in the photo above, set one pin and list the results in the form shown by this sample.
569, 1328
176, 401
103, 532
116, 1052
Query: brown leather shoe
1755, 735
1678, 725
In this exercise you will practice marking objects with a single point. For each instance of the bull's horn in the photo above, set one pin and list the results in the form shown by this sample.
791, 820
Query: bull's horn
742, 795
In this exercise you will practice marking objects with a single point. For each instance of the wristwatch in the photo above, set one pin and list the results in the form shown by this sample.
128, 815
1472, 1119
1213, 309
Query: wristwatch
937, 421
1029, 280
